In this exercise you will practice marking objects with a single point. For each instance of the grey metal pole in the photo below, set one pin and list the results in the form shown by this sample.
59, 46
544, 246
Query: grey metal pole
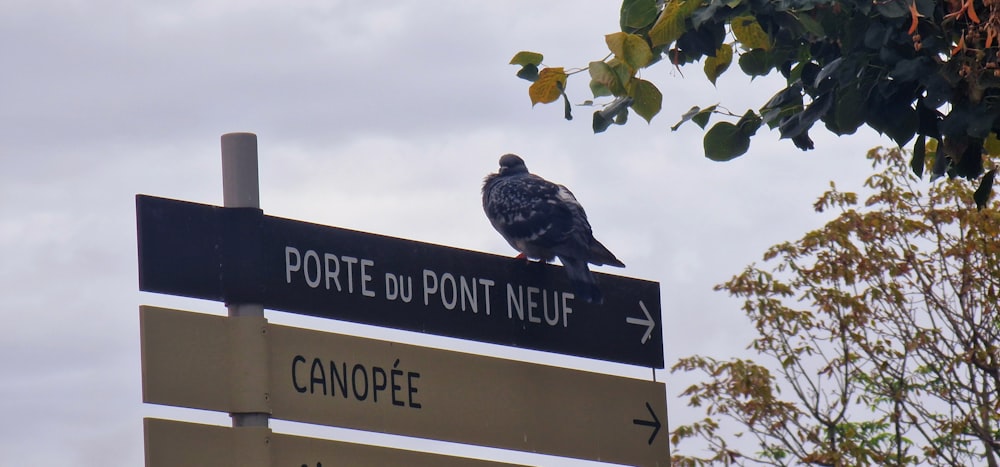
240, 185
241, 189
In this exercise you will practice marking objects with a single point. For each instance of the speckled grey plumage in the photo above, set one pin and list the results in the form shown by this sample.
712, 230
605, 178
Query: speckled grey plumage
543, 220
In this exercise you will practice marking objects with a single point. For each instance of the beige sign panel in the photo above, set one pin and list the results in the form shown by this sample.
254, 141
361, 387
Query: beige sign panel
367, 384
171, 444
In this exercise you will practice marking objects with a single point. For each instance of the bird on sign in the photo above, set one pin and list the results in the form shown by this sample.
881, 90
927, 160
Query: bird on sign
543, 220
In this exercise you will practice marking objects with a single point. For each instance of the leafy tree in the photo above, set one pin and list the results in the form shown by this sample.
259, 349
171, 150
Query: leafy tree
915, 70
878, 338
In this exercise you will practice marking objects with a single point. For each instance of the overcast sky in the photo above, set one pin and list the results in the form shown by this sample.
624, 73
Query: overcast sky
376, 116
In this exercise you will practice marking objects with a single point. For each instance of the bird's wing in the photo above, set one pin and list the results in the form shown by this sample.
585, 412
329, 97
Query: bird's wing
542, 219
580, 242
531, 209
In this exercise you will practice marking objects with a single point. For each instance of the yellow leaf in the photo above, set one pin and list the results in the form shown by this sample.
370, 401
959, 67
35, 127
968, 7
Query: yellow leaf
548, 87
932, 146
749, 33
616, 43
670, 25
637, 51
715, 66
631, 48
992, 144
525, 57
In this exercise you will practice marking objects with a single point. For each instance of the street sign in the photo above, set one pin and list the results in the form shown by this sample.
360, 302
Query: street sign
172, 444
367, 384
239, 255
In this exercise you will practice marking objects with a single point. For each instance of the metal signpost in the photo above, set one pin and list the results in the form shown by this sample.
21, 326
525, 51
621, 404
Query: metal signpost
215, 253
352, 382
254, 370
171, 444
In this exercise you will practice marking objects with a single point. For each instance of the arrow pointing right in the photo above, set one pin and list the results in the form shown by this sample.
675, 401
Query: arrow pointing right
655, 423
648, 322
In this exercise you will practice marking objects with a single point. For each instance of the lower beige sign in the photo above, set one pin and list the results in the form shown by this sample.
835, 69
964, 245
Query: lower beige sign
172, 444
192, 359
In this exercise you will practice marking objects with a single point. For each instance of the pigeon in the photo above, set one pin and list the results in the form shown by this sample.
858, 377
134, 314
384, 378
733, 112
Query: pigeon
543, 220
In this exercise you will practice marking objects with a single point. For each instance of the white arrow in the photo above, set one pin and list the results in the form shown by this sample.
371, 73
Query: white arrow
648, 322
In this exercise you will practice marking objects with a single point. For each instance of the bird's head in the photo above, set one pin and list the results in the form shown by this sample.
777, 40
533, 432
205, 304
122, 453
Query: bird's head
511, 164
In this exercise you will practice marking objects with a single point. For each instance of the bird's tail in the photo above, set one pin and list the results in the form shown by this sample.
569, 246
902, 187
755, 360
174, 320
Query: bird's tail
583, 281
600, 255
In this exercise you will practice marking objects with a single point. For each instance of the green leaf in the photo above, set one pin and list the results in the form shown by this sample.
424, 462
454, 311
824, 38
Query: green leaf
631, 48
725, 141
701, 118
602, 73
982, 194
809, 24
848, 111
919, 156
686, 116
624, 72
621, 117
749, 123
548, 87
970, 161
755, 63
696, 114
567, 109
903, 126
893, 8
528, 72
790, 96
703, 41
749, 33
926, 7
800, 122
526, 58
646, 99
637, 14
828, 70
706, 13
912, 69
614, 112
803, 141
599, 89
600, 122
715, 66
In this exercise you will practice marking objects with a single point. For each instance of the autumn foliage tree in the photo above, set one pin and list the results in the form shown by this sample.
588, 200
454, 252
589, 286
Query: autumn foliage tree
915, 70
878, 338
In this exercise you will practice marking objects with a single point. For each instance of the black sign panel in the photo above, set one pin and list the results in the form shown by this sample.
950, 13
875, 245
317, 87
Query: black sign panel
239, 255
